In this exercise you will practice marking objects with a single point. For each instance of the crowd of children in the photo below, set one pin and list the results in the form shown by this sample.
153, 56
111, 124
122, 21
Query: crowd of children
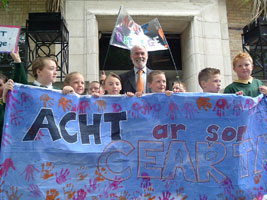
45, 72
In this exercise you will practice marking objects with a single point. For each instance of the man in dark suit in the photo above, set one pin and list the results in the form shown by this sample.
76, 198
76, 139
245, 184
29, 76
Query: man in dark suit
139, 56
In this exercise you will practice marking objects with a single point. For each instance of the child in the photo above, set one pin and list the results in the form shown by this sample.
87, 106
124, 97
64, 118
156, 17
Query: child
3, 80
178, 86
113, 86
245, 85
44, 70
209, 80
19, 77
94, 87
156, 81
74, 82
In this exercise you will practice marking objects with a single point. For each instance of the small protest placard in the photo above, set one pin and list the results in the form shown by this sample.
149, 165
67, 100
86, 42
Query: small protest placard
9, 37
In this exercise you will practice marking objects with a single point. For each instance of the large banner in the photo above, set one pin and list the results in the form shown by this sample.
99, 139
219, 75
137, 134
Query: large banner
9, 37
127, 33
186, 146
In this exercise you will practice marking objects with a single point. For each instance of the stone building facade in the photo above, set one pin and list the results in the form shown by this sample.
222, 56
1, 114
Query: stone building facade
210, 30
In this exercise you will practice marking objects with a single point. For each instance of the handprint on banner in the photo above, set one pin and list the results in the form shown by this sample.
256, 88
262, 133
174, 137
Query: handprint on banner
249, 104
52, 194
6, 138
62, 176
13, 195
29, 170
166, 196
83, 105
138, 108
227, 186
115, 184
116, 107
15, 117
47, 100
81, 195
92, 186
101, 105
26, 100
146, 107
148, 191
5, 166
82, 173
105, 192
189, 110
46, 170
39, 135
220, 106
74, 108
257, 179
203, 102
145, 183
11, 100
68, 192
238, 107
34, 191
124, 195
156, 109
180, 194
2, 183
65, 103
173, 109
99, 174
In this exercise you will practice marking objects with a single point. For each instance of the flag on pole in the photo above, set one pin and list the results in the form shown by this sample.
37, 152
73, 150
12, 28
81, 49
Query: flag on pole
127, 33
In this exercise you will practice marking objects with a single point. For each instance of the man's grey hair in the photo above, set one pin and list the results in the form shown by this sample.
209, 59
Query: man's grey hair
139, 47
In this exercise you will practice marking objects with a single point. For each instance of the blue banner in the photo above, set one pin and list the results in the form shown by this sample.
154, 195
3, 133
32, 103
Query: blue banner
186, 146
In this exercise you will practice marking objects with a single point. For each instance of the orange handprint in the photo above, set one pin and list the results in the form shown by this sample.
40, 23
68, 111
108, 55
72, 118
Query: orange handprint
203, 102
101, 104
65, 103
47, 100
82, 173
68, 192
99, 175
257, 179
52, 194
13, 194
46, 172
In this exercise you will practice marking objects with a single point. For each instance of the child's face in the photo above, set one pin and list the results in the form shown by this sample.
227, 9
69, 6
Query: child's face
158, 84
213, 85
243, 68
178, 88
77, 83
94, 88
48, 74
112, 85
1, 87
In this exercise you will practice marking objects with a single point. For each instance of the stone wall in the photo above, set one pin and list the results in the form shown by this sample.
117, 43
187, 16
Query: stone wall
18, 10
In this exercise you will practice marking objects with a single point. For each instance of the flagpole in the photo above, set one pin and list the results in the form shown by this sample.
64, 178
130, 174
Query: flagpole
177, 75
112, 35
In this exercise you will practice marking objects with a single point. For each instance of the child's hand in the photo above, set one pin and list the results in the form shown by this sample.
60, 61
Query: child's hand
129, 94
15, 56
95, 94
67, 89
263, 89
240, 93
8, 86
138, 94
168, 92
